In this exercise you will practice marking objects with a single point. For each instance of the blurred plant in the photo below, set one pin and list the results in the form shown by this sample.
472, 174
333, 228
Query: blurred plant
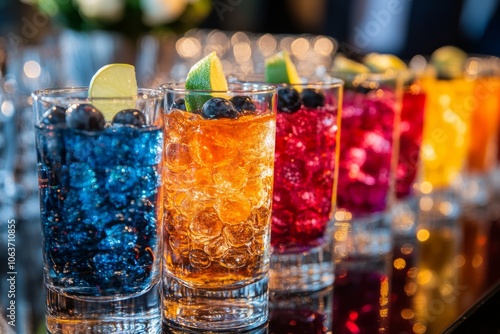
132, 18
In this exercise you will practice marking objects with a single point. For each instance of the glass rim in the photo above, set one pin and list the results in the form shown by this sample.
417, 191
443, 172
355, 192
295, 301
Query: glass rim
330, 81
387, 75
51, 94
179, 87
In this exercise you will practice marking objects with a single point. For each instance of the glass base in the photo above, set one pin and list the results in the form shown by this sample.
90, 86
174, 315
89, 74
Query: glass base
236, 309
305, 271
138, 314
404, 216
363, 237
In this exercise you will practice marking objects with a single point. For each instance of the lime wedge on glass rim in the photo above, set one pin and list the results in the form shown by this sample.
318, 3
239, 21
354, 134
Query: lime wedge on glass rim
279, 68
379, 62
205, 75
113, 81
344, 65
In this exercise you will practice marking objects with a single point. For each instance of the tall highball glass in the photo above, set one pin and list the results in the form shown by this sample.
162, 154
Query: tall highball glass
100, 198
218, 183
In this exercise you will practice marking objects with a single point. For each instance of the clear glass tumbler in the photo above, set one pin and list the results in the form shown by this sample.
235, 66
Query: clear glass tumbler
305, 184
218, 180
100, 198
368, 161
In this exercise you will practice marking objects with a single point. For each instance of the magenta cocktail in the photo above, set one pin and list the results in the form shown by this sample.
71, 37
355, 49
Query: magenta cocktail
369, 132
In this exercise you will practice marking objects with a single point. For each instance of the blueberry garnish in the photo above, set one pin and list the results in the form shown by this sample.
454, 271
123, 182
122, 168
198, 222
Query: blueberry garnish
288, 100
312, 98
53, 116
243, 103
131, 117
179, 104
84, 117
218, 108
363, 89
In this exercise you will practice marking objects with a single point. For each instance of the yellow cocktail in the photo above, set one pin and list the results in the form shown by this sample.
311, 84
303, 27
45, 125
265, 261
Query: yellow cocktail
445, 144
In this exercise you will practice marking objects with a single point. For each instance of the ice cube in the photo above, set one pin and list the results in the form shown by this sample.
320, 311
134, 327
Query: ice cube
229, 179
205, 225
177, 157
199, 259
213, 149
121, 179
233, 209
81, 175
216, 248
235, 258
238, 235
179, 243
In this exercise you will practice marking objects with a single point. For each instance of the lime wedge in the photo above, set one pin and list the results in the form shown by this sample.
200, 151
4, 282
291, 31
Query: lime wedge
344, 65
449, 61
207, 75
280, 69
379, 63
113, 81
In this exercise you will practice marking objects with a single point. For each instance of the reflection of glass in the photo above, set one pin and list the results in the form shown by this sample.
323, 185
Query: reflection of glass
438, 286
100, 213
304, 190
218, 184
361, 296
403, 279
301, 313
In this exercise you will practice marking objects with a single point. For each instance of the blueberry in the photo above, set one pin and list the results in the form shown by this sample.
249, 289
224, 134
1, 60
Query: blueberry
53, 116
288, 100
179, 104
243, 103
130, 117
218, 108
84, 117
363, 89
312, 98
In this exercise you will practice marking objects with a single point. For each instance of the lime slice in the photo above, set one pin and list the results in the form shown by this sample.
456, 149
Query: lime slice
344, 65
207, 75
113, 81
379, 63
449, 61
280, 69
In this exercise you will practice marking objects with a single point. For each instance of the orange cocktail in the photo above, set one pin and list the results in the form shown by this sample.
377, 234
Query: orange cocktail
484, 118
218, 182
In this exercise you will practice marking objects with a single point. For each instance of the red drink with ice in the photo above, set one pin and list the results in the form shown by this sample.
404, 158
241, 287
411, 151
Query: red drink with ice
412, 122
305, 163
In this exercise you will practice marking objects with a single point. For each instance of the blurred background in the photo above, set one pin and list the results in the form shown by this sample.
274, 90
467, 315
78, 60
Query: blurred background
48, 43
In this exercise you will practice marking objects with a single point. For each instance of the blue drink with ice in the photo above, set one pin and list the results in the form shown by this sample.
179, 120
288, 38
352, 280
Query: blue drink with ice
98, 198
99, 183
